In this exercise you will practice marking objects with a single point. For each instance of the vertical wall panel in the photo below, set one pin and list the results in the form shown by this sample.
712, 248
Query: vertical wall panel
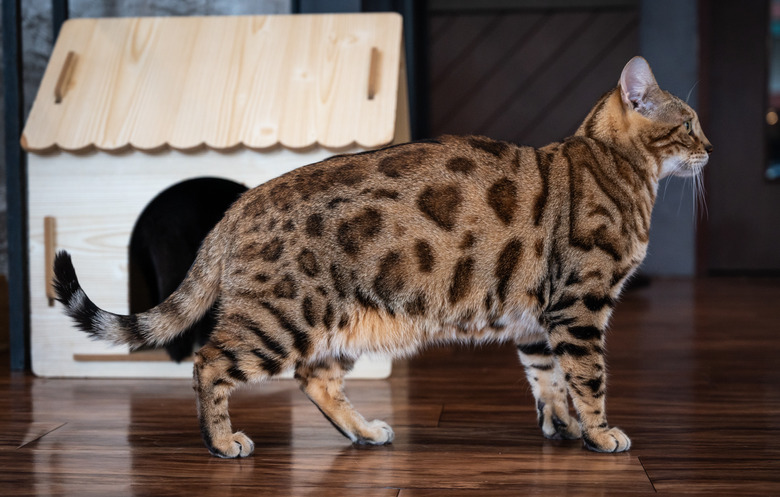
525, 76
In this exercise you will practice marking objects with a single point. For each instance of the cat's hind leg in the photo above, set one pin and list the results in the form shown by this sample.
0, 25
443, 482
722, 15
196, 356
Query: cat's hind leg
217, 372
323, 383
549, 389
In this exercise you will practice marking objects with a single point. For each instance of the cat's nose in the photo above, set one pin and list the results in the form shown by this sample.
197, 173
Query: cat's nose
708, 148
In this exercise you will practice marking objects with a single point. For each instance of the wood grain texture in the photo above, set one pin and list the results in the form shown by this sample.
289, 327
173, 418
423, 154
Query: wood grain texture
694, 381
221, 82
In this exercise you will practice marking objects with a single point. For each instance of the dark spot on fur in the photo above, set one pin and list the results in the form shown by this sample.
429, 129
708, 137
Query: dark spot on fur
334, 202
493, 322
314, 225
349, 174
360, 229
272, 223
539, 248
585, 332
489, 302
441, 204
267, 340
573, 279
506, 265
272, 250
366, 299
289, 226
340, 280
619, 275
390, 278
416, 306
343, 321
595, 274
493, 147
399, 164
301, 339
537, 348
307, 308
566, 348
594, 384
282, 195
389, 194
262, 278
311, 179
286, 288
461, 165
596, 303
272, 365
307, 263
502, 198
468, 240
327, 318
425, 257
564, 302
461, 279
543, 161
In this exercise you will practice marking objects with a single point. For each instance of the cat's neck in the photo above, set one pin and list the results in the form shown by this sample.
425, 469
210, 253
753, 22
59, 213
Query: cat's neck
610, 123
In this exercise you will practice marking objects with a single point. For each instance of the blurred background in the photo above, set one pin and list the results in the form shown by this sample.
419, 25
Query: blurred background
526, 71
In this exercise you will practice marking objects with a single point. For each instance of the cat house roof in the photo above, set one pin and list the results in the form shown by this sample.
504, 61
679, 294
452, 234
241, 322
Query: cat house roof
223, 83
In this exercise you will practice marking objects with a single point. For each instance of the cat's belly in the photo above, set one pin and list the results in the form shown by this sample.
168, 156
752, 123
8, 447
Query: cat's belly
378, 332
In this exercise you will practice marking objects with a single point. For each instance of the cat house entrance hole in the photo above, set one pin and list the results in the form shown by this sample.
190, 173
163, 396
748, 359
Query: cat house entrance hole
165, 242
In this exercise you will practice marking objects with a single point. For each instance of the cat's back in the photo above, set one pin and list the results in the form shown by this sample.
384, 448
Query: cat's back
452, 191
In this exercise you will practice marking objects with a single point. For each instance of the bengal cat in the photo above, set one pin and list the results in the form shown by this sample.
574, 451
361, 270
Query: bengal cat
450, 240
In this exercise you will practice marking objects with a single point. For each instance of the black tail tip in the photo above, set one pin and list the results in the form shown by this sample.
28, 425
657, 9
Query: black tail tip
66, 284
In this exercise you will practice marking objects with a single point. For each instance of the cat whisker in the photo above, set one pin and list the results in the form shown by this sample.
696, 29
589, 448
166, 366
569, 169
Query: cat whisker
688, 97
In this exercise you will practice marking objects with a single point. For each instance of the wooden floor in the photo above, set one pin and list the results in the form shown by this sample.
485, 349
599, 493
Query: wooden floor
695, 381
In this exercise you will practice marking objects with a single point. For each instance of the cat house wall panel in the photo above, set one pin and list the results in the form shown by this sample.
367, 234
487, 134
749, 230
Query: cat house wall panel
127, 109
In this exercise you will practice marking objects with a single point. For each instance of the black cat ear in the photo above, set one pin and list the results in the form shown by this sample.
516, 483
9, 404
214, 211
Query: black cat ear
637, 84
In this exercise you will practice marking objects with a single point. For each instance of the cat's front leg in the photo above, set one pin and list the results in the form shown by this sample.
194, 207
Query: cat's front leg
579, 350
549, 390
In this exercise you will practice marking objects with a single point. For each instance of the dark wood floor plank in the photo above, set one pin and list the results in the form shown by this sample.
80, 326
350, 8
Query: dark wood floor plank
693, 379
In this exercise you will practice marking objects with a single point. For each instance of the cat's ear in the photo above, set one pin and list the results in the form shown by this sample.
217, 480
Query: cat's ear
637, 84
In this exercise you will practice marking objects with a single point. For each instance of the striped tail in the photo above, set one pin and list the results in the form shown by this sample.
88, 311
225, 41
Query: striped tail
155, 327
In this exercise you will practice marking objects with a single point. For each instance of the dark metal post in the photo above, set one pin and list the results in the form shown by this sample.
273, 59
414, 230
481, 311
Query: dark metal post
16, 185
60, 12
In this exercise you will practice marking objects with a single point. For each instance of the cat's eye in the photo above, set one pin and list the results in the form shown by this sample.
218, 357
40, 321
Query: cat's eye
687, 125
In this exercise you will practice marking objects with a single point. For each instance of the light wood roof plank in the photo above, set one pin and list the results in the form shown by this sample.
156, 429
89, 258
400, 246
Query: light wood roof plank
222, 82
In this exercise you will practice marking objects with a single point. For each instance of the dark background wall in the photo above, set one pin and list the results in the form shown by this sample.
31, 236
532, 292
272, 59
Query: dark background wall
528, 71
743, 232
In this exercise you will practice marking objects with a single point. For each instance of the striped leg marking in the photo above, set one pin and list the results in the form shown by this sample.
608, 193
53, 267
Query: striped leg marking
215, 376
549, 389
579, 350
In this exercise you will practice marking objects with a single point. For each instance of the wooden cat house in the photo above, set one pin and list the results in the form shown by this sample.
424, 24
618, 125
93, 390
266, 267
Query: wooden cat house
130, 107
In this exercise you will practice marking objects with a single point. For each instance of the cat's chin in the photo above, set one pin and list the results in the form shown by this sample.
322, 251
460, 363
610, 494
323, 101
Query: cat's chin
688, 171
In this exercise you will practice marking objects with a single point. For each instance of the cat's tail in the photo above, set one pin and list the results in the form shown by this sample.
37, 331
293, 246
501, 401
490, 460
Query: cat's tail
158, 325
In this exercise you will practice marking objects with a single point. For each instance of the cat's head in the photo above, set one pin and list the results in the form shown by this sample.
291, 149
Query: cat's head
669, 127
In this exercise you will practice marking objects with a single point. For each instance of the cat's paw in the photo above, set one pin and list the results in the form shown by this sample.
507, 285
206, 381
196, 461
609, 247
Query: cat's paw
606, 440
376, 432
557, 423
236, 445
